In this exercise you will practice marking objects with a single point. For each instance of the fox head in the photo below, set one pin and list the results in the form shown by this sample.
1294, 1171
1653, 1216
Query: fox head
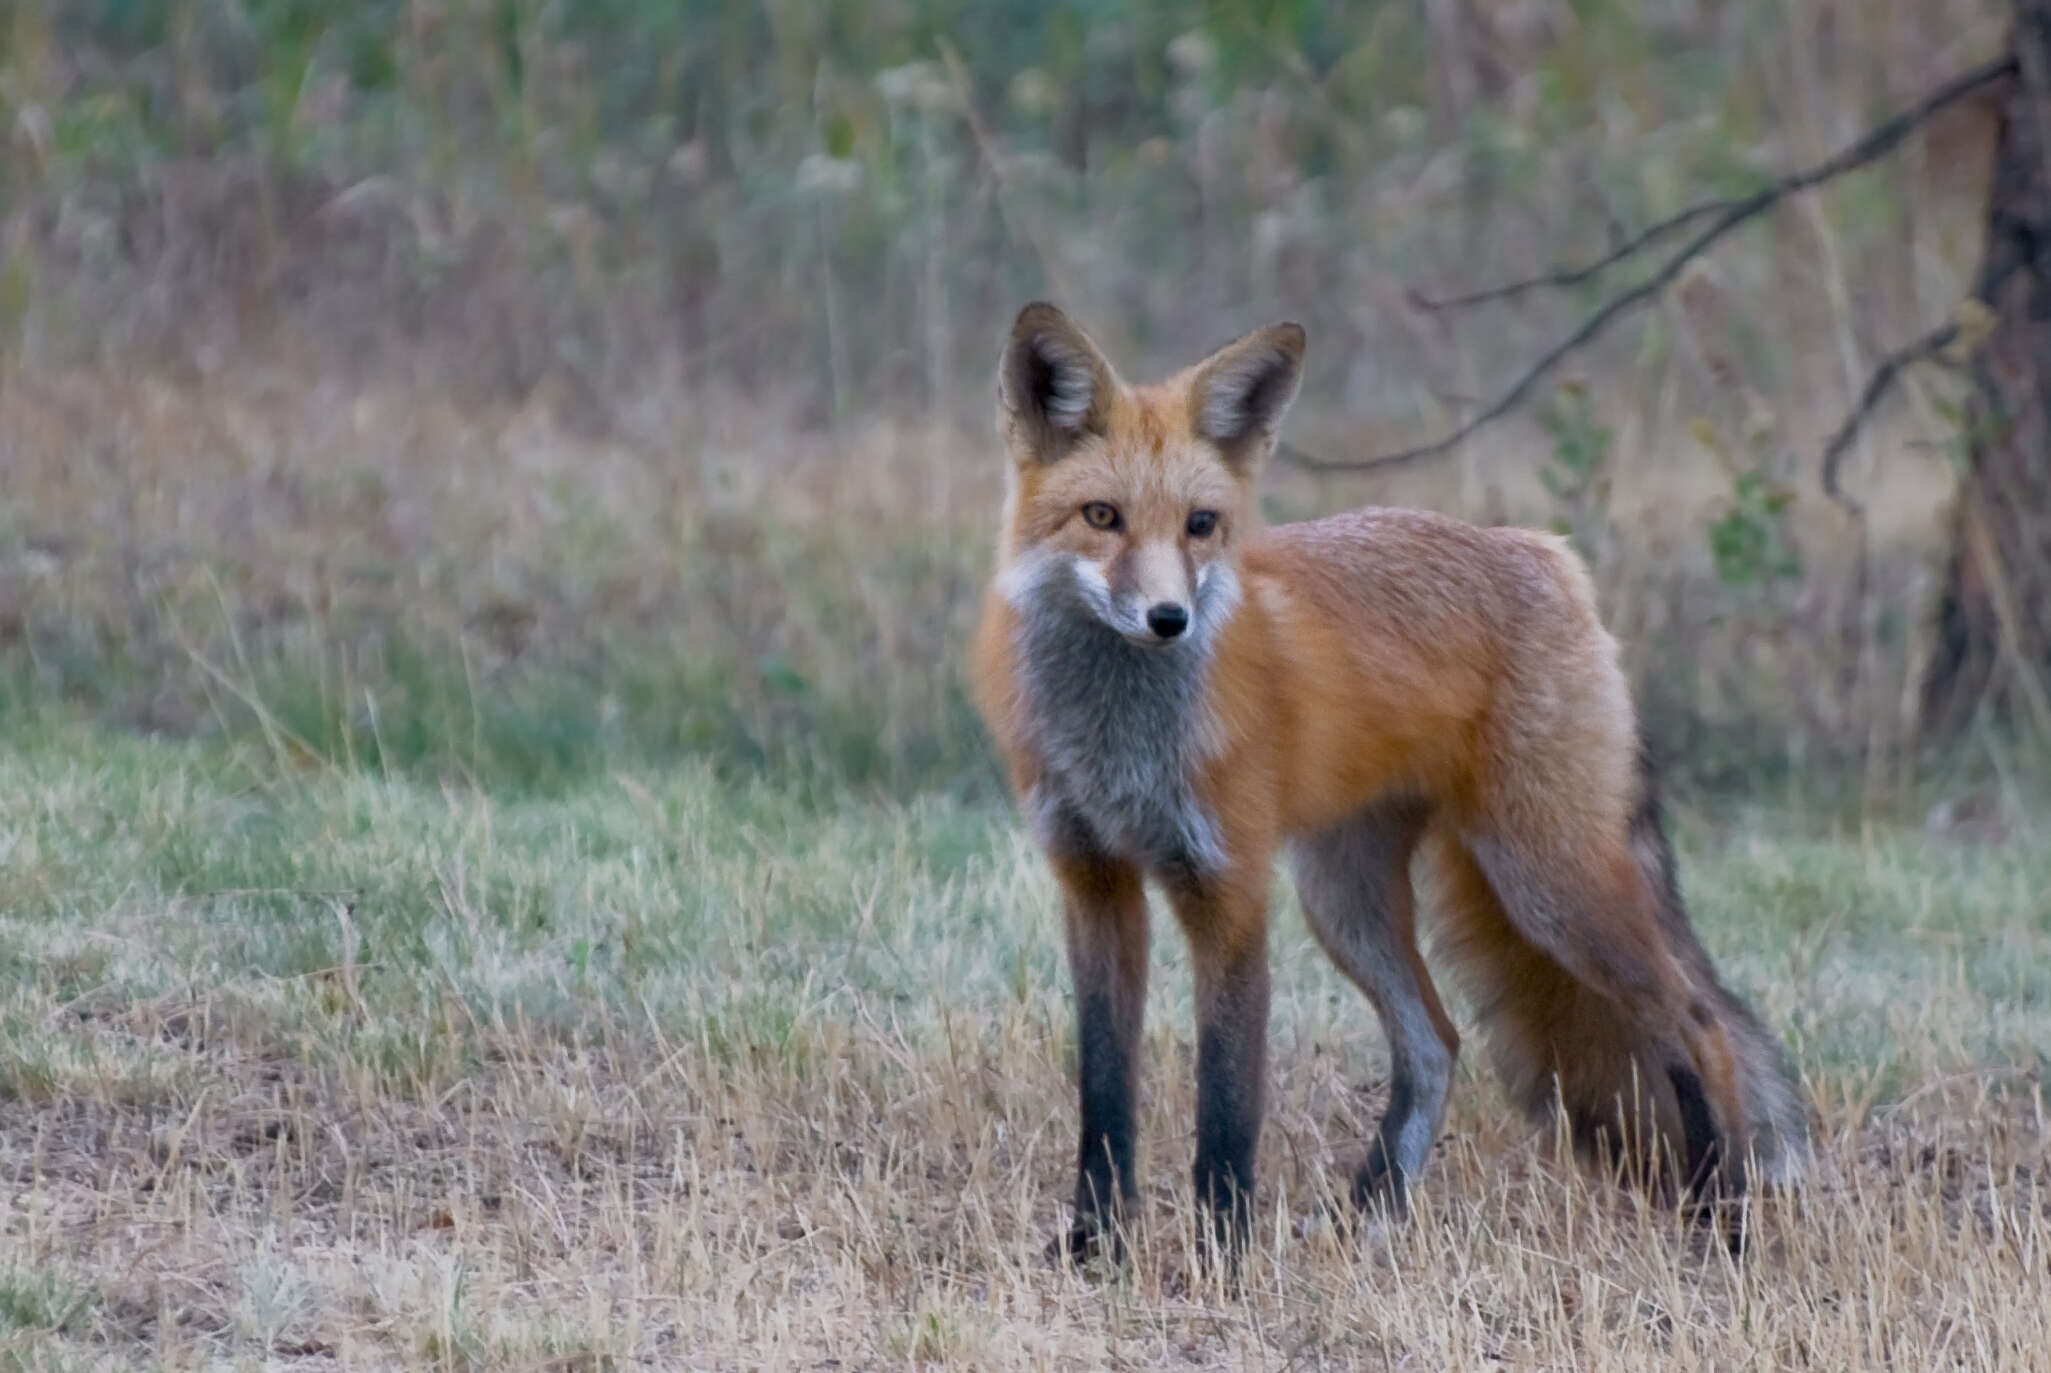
1130, 502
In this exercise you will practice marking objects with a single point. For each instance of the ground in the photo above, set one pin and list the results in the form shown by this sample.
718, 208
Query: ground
309, 1067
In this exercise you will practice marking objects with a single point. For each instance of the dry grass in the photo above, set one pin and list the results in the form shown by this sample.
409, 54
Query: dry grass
404, 962
317, 1070
409, 583
485, 590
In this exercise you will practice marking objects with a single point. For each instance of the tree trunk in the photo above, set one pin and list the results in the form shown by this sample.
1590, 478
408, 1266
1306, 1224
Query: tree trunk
1993, 642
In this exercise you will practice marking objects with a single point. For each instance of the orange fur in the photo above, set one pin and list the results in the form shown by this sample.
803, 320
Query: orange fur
1374, 666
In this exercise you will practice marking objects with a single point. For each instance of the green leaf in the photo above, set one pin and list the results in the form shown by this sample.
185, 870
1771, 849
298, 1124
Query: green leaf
781, 676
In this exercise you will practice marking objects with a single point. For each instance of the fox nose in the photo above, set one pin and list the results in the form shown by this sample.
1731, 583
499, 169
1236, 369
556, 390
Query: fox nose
1167, 619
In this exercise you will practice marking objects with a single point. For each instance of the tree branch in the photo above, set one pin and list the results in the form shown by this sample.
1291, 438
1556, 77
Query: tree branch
1561, 277
1877, 386
1876, 142
1892, 366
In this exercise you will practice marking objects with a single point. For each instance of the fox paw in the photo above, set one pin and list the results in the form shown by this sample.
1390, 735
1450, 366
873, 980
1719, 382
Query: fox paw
1379, 1190
1087, 1240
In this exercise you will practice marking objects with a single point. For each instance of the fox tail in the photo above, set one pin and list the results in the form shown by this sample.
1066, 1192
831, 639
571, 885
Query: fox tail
1610, 1072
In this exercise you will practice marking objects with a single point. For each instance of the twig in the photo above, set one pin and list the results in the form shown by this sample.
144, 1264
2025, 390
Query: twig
1877, 386
1588, 330
1883, 379
1572, 276
1877, 141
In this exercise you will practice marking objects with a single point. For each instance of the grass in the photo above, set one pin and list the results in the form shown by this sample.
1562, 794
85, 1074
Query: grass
312, 1067
497, 869
849, 201
522, 389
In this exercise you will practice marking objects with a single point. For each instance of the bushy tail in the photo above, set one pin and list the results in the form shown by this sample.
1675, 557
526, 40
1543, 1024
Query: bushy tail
1774, 1138
1610, 1071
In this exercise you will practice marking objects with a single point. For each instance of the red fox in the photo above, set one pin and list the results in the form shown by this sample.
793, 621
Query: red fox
1178, 693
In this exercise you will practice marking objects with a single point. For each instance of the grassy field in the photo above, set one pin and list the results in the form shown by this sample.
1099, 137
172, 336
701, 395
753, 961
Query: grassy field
524, 390
497, 866
305, 1067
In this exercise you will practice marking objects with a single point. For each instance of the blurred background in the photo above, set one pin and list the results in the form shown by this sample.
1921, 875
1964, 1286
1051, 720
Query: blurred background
512, 390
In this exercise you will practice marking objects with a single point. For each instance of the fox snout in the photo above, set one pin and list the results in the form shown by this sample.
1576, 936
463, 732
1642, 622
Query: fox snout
1150, 610
1154, 580
1153, 601
1167, 619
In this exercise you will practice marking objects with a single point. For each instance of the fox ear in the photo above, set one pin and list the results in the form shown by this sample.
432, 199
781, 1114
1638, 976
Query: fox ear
1241, 392
1053, 386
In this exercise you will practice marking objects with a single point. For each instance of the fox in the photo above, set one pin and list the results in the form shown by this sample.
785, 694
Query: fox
1427, 716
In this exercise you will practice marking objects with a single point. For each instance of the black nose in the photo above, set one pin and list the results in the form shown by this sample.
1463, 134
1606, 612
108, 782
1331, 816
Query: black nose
1167, 619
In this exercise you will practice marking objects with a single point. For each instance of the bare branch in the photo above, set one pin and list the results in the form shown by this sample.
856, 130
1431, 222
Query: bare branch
1561, 277
1877, 386
1876, 142
1891, 367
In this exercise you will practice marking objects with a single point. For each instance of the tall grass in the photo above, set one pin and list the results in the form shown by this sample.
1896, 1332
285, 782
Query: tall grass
513, 389
837, 200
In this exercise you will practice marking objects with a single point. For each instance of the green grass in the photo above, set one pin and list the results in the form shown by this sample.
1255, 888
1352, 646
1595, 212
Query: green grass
748, 915
321, 1064
139, 870
736, 912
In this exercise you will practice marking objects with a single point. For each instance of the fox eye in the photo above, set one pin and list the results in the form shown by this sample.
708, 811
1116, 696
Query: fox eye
1202, 523
1102, 515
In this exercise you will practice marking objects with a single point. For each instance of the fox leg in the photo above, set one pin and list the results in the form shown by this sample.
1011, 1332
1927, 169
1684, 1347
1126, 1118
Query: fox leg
1226, 920
1354, 883
1105, 913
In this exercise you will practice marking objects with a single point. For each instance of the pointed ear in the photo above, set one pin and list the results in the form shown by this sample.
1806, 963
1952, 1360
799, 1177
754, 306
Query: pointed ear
1241, 392
1053, 386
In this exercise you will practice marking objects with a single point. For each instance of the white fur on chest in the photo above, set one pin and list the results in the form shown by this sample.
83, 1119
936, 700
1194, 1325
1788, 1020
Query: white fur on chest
1118, 730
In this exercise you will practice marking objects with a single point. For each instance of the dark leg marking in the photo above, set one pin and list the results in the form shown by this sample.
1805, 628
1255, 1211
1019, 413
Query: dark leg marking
1108, 1081
1382, 1181
1231, 1048
1107, 958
